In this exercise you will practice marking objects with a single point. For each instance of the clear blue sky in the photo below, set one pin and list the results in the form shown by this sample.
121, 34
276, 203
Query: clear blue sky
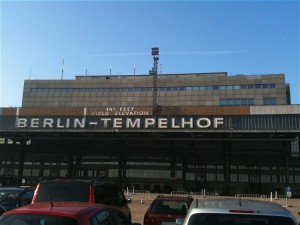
238, 37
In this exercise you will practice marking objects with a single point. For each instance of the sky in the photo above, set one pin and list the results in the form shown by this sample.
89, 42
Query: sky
39, 39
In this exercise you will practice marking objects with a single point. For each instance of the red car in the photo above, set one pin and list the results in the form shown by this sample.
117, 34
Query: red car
91, 191
64, 213
165, 210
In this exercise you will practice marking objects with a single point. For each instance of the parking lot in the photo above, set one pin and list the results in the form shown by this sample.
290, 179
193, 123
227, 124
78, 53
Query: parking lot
138, 209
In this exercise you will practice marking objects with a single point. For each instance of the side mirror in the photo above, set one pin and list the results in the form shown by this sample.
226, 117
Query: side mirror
179, 221
2, 210
128, 200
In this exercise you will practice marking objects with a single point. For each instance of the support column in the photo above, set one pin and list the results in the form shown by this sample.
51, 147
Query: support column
21, 166
78, 160
121, 170
70, 164
285, 151
227, 159
184, 166
173, 159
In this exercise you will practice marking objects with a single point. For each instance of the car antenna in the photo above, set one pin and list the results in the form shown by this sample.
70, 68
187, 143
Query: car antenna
49, 196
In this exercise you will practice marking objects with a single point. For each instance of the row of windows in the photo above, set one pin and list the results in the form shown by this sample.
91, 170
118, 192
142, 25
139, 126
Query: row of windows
244, 178
150, 89
236, 101
247, 101
264, 178
269, 101
189, 166
137, 173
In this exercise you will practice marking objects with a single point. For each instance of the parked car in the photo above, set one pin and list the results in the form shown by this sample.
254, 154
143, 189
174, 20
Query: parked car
164, 210
92, 191
64, 213
233, 211
13, 197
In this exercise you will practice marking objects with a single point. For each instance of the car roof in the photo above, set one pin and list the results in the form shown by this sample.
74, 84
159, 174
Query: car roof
223, 203
70, 209
176, 198
93, 182
65, 181
16, 188
235, 205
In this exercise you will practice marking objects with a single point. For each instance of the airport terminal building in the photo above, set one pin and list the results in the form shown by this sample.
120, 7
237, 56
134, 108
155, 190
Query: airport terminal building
225, 134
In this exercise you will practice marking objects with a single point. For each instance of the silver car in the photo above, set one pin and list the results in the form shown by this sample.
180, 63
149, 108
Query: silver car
232, 211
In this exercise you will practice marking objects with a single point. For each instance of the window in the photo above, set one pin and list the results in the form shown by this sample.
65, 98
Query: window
265, 86
244, 101
102, 218
269, 101
120, 218
237, 101
223, 101
250, 101
230, 101
258, 86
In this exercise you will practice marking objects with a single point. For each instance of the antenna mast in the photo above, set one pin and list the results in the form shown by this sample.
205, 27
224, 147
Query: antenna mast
155, 52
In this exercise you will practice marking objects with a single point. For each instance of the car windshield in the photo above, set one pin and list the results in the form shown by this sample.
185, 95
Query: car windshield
109, 194
77, 192
32, 219
238, 219
170, 207
9, 197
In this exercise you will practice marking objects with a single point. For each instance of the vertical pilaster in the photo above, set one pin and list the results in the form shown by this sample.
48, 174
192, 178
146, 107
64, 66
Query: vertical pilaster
21, 165
285, 151
121, 164
70, 164
226, 159
173, 159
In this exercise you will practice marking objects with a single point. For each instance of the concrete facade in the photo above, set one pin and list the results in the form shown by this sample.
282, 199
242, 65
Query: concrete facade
207, 89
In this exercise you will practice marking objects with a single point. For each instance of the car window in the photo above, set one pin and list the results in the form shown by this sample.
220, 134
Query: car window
102, 218
26, 198
9, 197
170, 206
78, 192
109, 194
2, 210
32, 219
230, 219
120, 218
110, 217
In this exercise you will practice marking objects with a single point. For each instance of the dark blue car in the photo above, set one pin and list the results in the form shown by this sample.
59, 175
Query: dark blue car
13, 197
